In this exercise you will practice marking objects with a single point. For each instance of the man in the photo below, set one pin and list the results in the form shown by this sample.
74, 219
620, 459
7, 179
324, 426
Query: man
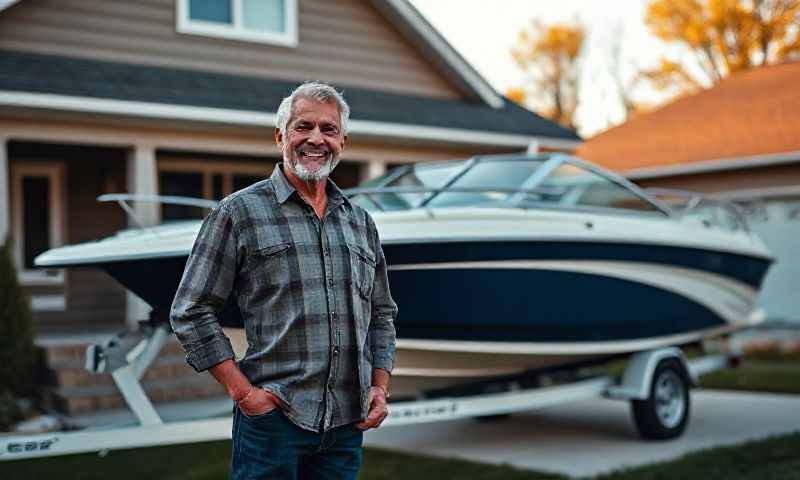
307, 272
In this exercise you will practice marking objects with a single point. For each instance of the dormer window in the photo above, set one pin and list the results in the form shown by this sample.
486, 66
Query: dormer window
262, 21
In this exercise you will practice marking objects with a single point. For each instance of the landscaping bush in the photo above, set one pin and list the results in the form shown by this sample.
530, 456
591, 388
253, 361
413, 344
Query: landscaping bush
17, 352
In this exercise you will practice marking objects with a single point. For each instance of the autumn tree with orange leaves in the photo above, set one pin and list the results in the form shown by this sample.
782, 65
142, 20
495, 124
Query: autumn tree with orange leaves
550, 57
723, 37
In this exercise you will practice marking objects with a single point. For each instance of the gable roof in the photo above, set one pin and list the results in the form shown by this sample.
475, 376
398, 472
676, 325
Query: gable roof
748, 118
430, 42
56, 82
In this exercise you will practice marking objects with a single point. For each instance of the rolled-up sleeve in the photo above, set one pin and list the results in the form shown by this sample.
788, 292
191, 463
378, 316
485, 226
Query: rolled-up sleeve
384, 312
208, 280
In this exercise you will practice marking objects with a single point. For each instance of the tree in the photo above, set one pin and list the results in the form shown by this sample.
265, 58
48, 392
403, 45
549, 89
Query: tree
550, 57
17, 351
723, 37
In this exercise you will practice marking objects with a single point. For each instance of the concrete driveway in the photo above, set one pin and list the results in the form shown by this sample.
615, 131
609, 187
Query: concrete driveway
596, 436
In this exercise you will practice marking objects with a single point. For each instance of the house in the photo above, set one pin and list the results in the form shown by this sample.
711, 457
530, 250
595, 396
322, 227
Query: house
738, 141
178, 97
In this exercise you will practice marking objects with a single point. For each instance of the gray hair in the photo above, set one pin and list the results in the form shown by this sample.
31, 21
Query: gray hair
321, 92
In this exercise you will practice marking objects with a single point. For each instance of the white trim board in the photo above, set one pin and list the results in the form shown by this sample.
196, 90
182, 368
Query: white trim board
252, 118
4, 4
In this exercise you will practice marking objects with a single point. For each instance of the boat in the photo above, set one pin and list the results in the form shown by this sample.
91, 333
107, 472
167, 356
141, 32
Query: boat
508, 264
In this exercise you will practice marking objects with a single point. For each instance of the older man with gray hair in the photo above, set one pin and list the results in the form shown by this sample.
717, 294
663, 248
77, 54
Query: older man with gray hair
305, 267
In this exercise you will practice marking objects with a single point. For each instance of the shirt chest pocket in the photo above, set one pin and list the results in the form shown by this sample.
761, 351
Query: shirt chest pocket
269, 264
362, 266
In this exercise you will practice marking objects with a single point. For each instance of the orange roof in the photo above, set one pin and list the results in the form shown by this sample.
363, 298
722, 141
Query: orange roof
751, 113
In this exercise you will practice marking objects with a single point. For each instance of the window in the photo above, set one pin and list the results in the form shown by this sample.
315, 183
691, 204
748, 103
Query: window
263, 21
211, 180
37, 218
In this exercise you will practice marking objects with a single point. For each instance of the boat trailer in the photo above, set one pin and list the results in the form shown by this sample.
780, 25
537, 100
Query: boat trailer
656, 382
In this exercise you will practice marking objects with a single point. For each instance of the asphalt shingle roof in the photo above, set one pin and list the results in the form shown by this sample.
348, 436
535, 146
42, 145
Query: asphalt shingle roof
38, 73
750, 113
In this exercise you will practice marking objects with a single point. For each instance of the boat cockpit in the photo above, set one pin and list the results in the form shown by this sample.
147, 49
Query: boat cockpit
543, 181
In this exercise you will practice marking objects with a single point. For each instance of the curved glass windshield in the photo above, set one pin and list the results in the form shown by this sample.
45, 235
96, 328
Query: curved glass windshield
487, 183
509, 182
420, 181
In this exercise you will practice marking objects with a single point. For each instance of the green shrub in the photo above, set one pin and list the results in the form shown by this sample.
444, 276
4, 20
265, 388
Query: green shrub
17, 352
9, 411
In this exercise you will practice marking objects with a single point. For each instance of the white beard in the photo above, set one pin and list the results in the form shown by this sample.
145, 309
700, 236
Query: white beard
306, 175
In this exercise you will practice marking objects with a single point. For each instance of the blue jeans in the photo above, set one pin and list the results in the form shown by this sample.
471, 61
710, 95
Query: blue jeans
270, 446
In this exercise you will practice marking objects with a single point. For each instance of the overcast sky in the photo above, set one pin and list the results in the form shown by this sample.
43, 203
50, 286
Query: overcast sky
484, 32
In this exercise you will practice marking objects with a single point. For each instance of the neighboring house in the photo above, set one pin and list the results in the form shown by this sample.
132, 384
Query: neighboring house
178, 97
739, 141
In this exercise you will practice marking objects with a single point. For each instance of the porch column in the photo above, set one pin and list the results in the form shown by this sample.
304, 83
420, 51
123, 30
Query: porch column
142, 174
142, 178
5, 200
373, 168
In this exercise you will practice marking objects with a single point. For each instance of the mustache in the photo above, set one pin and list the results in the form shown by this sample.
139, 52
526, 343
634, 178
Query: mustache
302, 149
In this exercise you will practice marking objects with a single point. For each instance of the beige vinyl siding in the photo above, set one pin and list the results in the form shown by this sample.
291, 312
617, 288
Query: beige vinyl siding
345, 42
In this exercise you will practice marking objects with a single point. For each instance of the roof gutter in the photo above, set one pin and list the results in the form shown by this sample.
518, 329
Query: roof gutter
46, 101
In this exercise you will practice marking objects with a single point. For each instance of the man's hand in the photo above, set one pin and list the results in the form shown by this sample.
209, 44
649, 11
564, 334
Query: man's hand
257, 402
378, 410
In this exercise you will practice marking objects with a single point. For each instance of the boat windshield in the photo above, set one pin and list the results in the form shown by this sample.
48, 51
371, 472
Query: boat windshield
503, 181
406, 187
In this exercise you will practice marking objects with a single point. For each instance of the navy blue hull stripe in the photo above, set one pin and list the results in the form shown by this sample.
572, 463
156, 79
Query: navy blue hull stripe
538, 306
749, 270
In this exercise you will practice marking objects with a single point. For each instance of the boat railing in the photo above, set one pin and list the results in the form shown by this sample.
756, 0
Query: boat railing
124, 199
371, 192
708, 210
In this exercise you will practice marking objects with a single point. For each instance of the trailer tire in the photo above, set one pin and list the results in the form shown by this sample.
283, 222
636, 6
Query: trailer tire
665, 413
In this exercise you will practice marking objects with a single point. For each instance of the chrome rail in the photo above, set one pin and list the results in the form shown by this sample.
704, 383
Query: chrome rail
369, 192
700, 205
123, 198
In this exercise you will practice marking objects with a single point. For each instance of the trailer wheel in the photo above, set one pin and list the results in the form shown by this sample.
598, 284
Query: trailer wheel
665, 413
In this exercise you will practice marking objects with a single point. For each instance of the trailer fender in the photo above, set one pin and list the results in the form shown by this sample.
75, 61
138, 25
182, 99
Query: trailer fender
635, 382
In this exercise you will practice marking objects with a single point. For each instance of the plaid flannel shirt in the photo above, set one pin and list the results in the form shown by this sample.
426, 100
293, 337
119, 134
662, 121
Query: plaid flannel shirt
314, 296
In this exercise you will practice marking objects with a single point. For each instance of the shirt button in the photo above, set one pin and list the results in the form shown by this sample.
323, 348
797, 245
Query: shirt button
330, 282
336, 350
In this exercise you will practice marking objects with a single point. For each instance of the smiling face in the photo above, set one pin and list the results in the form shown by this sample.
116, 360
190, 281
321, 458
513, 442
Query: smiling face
313, 139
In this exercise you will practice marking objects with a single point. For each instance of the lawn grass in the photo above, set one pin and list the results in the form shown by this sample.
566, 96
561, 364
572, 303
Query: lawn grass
385, 465
210, 461
761, 371
775, 458
757, 376
766, 371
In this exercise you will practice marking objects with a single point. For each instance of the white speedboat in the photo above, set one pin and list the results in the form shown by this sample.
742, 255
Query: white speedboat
503, 265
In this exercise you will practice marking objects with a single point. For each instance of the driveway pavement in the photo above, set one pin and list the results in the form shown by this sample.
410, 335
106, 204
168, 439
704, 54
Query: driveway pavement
595, 436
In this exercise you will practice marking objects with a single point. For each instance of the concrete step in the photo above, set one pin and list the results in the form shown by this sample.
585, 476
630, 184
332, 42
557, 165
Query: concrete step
95, 398
72, 390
